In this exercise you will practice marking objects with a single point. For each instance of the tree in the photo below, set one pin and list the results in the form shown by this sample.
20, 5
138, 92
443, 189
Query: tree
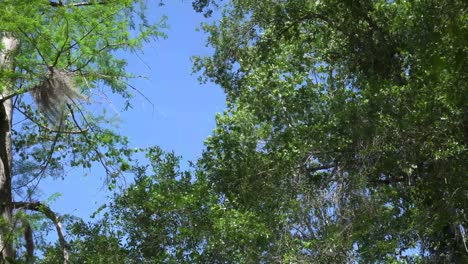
344, 141
167, 215
346, 129
56, 58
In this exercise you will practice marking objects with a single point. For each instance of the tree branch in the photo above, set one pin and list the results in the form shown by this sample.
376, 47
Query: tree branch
100, 156
48, 129
318, 168
9, 96
39, 207
389, 181
61, 4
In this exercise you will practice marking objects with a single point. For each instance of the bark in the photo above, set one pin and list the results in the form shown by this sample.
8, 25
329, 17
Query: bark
9, 46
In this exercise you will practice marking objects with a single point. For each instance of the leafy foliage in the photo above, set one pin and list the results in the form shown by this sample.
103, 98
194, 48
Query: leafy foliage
168, 216
80, 40
67, 59
346, 119
345, 140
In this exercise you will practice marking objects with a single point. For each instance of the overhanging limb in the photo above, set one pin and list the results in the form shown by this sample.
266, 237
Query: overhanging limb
44, 209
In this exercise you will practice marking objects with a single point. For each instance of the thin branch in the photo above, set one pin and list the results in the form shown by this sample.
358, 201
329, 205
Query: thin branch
42, 208
18, 92
48, 129
131, 86
90, 59
62, 48
46, 163
32, 41
99, 155
140, 93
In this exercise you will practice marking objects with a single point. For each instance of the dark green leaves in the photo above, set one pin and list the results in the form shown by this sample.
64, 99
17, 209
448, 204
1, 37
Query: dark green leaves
344, 118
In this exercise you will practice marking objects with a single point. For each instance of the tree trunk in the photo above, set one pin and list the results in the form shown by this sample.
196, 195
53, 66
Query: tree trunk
8, 48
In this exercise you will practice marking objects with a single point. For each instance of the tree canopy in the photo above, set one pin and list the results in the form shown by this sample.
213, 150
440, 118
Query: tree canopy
347, 121
57, 59
345, 137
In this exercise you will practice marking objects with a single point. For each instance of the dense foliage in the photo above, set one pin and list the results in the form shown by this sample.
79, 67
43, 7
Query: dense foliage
347, 126
345, 140
167, 216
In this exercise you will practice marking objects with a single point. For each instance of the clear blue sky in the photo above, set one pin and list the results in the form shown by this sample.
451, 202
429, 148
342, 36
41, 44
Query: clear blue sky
182, 117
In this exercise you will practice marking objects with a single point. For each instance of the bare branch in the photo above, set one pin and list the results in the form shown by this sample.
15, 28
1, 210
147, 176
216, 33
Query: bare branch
132, 87
44, 209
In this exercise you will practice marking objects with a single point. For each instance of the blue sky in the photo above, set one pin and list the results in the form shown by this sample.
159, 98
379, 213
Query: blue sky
182, 117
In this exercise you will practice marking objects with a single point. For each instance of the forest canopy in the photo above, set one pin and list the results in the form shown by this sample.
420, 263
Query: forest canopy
344, 139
